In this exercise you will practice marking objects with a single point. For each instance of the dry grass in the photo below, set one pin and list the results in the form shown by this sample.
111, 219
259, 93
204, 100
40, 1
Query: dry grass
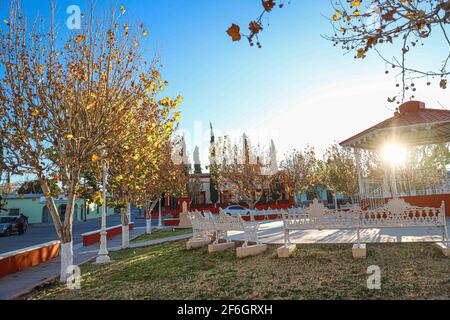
168, 271
163, 233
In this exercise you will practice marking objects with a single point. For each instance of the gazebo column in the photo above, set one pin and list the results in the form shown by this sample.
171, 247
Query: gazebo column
357, 154
385, 183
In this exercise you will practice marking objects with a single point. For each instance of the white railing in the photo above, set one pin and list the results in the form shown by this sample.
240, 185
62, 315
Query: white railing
372, 200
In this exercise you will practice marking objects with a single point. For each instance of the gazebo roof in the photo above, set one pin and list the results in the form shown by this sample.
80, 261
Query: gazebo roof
413, 124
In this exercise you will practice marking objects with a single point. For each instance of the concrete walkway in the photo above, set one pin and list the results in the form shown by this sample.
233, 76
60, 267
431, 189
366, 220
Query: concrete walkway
272, 233
20, 283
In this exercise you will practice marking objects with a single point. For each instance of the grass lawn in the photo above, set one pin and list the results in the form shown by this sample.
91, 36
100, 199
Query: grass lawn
162, 233
169, 271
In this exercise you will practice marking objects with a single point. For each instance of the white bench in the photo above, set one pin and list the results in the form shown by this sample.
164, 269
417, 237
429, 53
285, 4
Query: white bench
224, 223
204, 225
395, 214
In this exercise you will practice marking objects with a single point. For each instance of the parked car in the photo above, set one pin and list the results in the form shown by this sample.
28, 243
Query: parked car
10, 225
236, 210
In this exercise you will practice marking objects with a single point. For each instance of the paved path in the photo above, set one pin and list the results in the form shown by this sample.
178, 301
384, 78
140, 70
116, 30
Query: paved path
272, 233
19, 283
41, 233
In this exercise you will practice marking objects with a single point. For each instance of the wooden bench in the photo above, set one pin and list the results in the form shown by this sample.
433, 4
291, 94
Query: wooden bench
395, 214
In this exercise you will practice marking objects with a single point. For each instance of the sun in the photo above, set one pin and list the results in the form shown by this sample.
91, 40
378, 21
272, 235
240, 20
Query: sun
394, 154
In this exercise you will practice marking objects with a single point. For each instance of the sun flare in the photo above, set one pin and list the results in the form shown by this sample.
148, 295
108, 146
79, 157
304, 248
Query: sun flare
394, 154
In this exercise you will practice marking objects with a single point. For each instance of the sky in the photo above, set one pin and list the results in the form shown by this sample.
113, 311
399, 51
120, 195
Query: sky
297, 89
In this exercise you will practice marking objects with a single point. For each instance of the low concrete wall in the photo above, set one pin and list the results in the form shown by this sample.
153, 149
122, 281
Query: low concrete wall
94, 236
171, 222
433, 201
14, 261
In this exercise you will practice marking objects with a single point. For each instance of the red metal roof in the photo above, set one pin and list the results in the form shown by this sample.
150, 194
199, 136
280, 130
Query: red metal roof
411, 113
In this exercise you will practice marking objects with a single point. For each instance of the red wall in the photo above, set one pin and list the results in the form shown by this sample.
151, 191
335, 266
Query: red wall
210, 207
433, 201
22, 261
95, 237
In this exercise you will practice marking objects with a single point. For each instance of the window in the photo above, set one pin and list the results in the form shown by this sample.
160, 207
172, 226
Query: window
14, 212
200, 198
225, 197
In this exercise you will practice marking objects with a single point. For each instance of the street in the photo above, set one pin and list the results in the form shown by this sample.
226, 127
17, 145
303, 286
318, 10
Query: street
41, 233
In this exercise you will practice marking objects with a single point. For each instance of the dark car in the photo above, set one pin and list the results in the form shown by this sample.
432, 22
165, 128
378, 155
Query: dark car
13, 224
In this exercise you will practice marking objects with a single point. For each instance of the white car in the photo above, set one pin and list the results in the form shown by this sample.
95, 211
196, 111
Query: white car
236, 210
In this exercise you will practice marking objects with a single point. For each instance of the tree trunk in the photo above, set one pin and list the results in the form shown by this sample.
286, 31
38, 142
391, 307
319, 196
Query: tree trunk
125, 227
148, 220
335, 202
64, 231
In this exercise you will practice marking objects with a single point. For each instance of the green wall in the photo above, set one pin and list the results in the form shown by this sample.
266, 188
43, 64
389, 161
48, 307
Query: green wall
34, 209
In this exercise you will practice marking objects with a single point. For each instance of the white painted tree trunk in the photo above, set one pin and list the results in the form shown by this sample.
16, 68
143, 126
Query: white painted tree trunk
148, 220
148, 226
125, 226
125, 236
66, 254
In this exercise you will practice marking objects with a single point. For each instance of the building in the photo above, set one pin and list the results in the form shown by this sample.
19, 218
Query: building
34, 206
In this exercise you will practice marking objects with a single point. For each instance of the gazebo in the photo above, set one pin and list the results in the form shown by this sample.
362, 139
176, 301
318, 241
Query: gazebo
412, 125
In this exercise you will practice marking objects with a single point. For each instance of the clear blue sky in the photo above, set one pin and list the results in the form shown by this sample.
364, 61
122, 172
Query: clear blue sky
298, 89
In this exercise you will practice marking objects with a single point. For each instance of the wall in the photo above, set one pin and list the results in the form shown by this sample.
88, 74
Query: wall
280, 205
434, 200
33, 209
19, 260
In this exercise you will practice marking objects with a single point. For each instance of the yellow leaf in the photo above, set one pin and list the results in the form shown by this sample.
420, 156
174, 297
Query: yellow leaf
69, 136
95, 158
336, 18
355, 3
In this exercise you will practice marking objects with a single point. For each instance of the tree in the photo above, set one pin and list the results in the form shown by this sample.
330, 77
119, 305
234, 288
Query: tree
141, 154
63, 100
404, 23
363, 26
168, 175
244, 169
213, 187
255, 26
425, 167
299, 171
197, 163
34, 187
338, 172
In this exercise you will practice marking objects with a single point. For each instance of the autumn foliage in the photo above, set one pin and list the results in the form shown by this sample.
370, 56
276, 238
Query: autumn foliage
68, 102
